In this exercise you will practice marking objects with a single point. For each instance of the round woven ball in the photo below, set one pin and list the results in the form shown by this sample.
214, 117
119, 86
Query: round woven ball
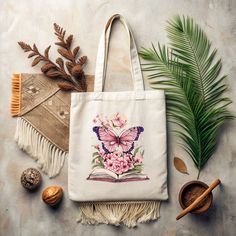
31, 178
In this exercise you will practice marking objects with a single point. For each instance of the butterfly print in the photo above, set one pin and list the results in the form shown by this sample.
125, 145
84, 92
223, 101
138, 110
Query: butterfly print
119, 155
111, 141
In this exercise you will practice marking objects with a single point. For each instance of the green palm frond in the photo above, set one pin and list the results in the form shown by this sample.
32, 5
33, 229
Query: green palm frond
190, 76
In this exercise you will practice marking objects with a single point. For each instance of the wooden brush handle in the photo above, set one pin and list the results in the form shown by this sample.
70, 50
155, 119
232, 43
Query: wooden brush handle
198, 200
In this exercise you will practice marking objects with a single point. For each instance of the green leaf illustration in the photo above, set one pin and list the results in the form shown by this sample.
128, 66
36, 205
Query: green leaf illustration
136, 150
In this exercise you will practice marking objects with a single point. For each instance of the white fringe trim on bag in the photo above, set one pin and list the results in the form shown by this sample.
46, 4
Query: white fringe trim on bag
49, 157
130, 213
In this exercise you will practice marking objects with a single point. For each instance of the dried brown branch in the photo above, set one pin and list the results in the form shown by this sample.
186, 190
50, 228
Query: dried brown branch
73, 76
74, 64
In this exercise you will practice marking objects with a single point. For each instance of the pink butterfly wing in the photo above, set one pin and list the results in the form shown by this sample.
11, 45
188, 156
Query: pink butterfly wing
128, 137
108, 138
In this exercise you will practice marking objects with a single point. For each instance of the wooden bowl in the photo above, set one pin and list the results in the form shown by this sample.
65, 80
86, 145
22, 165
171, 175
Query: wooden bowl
190, 191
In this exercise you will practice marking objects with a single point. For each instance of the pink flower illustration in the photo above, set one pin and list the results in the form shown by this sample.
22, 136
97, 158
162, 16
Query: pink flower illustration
108, 164
118, 121
109, 156
116, 166
102, 121
128, 157
138, 159
100, 150
117, 163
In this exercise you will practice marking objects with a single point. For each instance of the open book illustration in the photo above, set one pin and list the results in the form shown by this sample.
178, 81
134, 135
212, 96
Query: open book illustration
101, 174
117, 157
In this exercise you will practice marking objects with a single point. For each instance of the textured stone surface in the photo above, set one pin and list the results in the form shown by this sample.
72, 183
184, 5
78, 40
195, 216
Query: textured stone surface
22, 213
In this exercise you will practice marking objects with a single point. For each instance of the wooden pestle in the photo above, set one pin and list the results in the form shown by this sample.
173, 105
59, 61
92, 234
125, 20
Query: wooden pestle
198, 200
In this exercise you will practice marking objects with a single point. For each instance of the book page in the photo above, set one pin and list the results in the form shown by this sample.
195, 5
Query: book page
103, 172
131, 175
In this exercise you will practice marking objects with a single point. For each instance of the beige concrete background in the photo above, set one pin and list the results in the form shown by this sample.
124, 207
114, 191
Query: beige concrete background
25, 214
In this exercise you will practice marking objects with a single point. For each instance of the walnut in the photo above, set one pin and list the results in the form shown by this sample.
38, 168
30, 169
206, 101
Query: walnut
52, 195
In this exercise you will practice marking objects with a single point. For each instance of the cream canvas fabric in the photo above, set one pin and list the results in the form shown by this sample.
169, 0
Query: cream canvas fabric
117, 144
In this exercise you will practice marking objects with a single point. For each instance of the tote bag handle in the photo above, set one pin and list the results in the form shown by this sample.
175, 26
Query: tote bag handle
101, 64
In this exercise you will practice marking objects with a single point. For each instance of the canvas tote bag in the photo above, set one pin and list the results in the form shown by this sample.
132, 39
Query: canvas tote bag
117, 146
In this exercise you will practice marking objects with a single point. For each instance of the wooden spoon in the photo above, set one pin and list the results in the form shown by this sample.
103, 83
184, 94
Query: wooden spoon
198, 200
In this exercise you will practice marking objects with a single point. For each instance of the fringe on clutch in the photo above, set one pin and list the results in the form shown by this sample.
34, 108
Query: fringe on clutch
129, 213
49, 157
16, 93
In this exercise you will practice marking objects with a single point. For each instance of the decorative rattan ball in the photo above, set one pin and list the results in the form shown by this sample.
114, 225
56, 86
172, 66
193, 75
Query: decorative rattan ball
31, 178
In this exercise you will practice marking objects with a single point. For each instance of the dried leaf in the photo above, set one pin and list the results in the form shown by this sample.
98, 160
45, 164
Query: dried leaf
60, 62
35, 48
76, 50
32, 54
82, 60
66, 86
46, 51
69, 66
25, 47
54, 74
77, 70
65, 53
58, 30
61, 44
47, 67
180, 165
36, 61
69, 40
